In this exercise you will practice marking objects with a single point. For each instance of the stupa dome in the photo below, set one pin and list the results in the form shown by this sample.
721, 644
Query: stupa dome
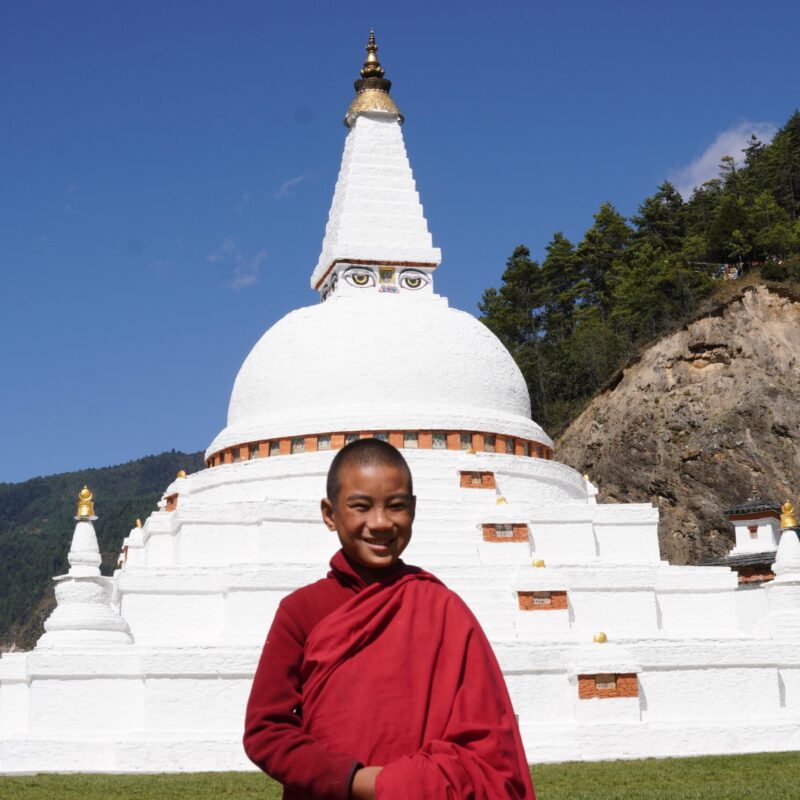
377, 362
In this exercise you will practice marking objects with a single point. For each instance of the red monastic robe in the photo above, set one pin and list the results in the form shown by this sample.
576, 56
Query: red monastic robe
399, 675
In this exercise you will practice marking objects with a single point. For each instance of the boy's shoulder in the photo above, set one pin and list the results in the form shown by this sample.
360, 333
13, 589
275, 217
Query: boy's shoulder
437, 591
310, 603
450, 601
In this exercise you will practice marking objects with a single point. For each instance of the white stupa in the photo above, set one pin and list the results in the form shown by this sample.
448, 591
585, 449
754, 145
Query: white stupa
84, 613
608, 651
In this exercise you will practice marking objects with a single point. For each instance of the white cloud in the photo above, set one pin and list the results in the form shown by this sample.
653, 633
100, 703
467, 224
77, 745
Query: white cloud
246, 273
227, 251
730, 142
286, 188
245, 267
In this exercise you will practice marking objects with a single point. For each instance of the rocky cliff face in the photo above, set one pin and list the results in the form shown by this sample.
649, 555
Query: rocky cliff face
701, 421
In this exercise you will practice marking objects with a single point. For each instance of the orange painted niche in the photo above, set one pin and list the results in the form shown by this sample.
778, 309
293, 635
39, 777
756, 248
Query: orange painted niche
505, 532
477, 480
606, 685
542, 601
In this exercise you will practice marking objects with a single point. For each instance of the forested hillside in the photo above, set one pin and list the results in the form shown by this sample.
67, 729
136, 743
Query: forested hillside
572, 320
36, 527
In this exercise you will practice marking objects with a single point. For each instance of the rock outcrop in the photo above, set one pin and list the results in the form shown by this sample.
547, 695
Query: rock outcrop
703, 419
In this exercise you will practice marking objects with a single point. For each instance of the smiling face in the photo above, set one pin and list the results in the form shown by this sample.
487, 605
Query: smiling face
372, 515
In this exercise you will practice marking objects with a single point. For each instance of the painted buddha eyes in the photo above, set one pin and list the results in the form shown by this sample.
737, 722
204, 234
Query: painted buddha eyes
360, 278
413, 279
385, 279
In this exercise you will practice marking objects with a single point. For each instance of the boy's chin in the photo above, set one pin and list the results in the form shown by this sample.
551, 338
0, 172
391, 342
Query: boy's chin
374, 556
377, 560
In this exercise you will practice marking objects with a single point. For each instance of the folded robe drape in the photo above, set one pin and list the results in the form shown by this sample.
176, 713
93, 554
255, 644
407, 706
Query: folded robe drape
402, 676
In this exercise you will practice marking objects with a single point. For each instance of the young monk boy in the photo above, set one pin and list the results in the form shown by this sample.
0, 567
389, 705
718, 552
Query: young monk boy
377, 681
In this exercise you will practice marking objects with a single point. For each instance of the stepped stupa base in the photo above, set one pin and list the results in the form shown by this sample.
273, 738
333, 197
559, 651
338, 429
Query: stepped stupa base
543, 567
171, 709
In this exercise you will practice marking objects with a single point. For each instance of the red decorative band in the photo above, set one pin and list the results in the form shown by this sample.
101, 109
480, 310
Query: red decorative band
411, 440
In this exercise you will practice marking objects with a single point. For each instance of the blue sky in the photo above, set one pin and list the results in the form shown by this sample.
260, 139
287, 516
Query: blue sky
166, 171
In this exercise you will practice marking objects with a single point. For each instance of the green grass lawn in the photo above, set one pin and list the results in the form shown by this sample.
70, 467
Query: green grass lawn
764, 776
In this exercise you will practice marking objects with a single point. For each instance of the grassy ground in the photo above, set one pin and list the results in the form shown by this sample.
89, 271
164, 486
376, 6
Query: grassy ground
765, 776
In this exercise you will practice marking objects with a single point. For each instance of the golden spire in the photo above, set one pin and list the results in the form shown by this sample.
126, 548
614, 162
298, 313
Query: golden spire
85, 504
788, 519
181, 473
372, 67
138, 523
600, 638
538, 563
372, 89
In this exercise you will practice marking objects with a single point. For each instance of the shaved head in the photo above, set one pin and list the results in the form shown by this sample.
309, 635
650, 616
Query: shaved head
363, 453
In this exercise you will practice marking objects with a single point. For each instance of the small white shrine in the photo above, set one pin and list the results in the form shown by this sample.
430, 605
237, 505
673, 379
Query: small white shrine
608, 651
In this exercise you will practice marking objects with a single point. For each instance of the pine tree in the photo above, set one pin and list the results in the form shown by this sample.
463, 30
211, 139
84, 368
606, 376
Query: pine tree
603, 245
661, 219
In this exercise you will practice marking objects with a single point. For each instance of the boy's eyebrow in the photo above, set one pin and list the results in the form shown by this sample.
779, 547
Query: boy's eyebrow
359, 496
405, 496
364, 496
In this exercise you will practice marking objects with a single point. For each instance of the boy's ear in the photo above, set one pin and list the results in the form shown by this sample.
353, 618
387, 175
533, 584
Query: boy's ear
326, 507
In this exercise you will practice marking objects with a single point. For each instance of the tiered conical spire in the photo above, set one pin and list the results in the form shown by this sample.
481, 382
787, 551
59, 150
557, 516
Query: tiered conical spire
376, 216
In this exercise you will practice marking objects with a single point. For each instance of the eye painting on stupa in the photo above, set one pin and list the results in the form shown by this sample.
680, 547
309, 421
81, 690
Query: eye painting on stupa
608, 650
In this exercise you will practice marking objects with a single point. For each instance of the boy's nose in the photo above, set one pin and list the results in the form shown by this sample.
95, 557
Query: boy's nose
379, 520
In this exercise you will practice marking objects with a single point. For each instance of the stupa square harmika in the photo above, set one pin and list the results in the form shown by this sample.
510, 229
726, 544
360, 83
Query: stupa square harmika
608, 651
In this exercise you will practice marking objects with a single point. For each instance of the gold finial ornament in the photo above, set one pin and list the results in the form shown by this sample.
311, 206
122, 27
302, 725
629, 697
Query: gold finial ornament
138, 523
501, 501
600, 638
85, 504
372, 67
372, 89
788, 519
586, 476
538, 563
181, 473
